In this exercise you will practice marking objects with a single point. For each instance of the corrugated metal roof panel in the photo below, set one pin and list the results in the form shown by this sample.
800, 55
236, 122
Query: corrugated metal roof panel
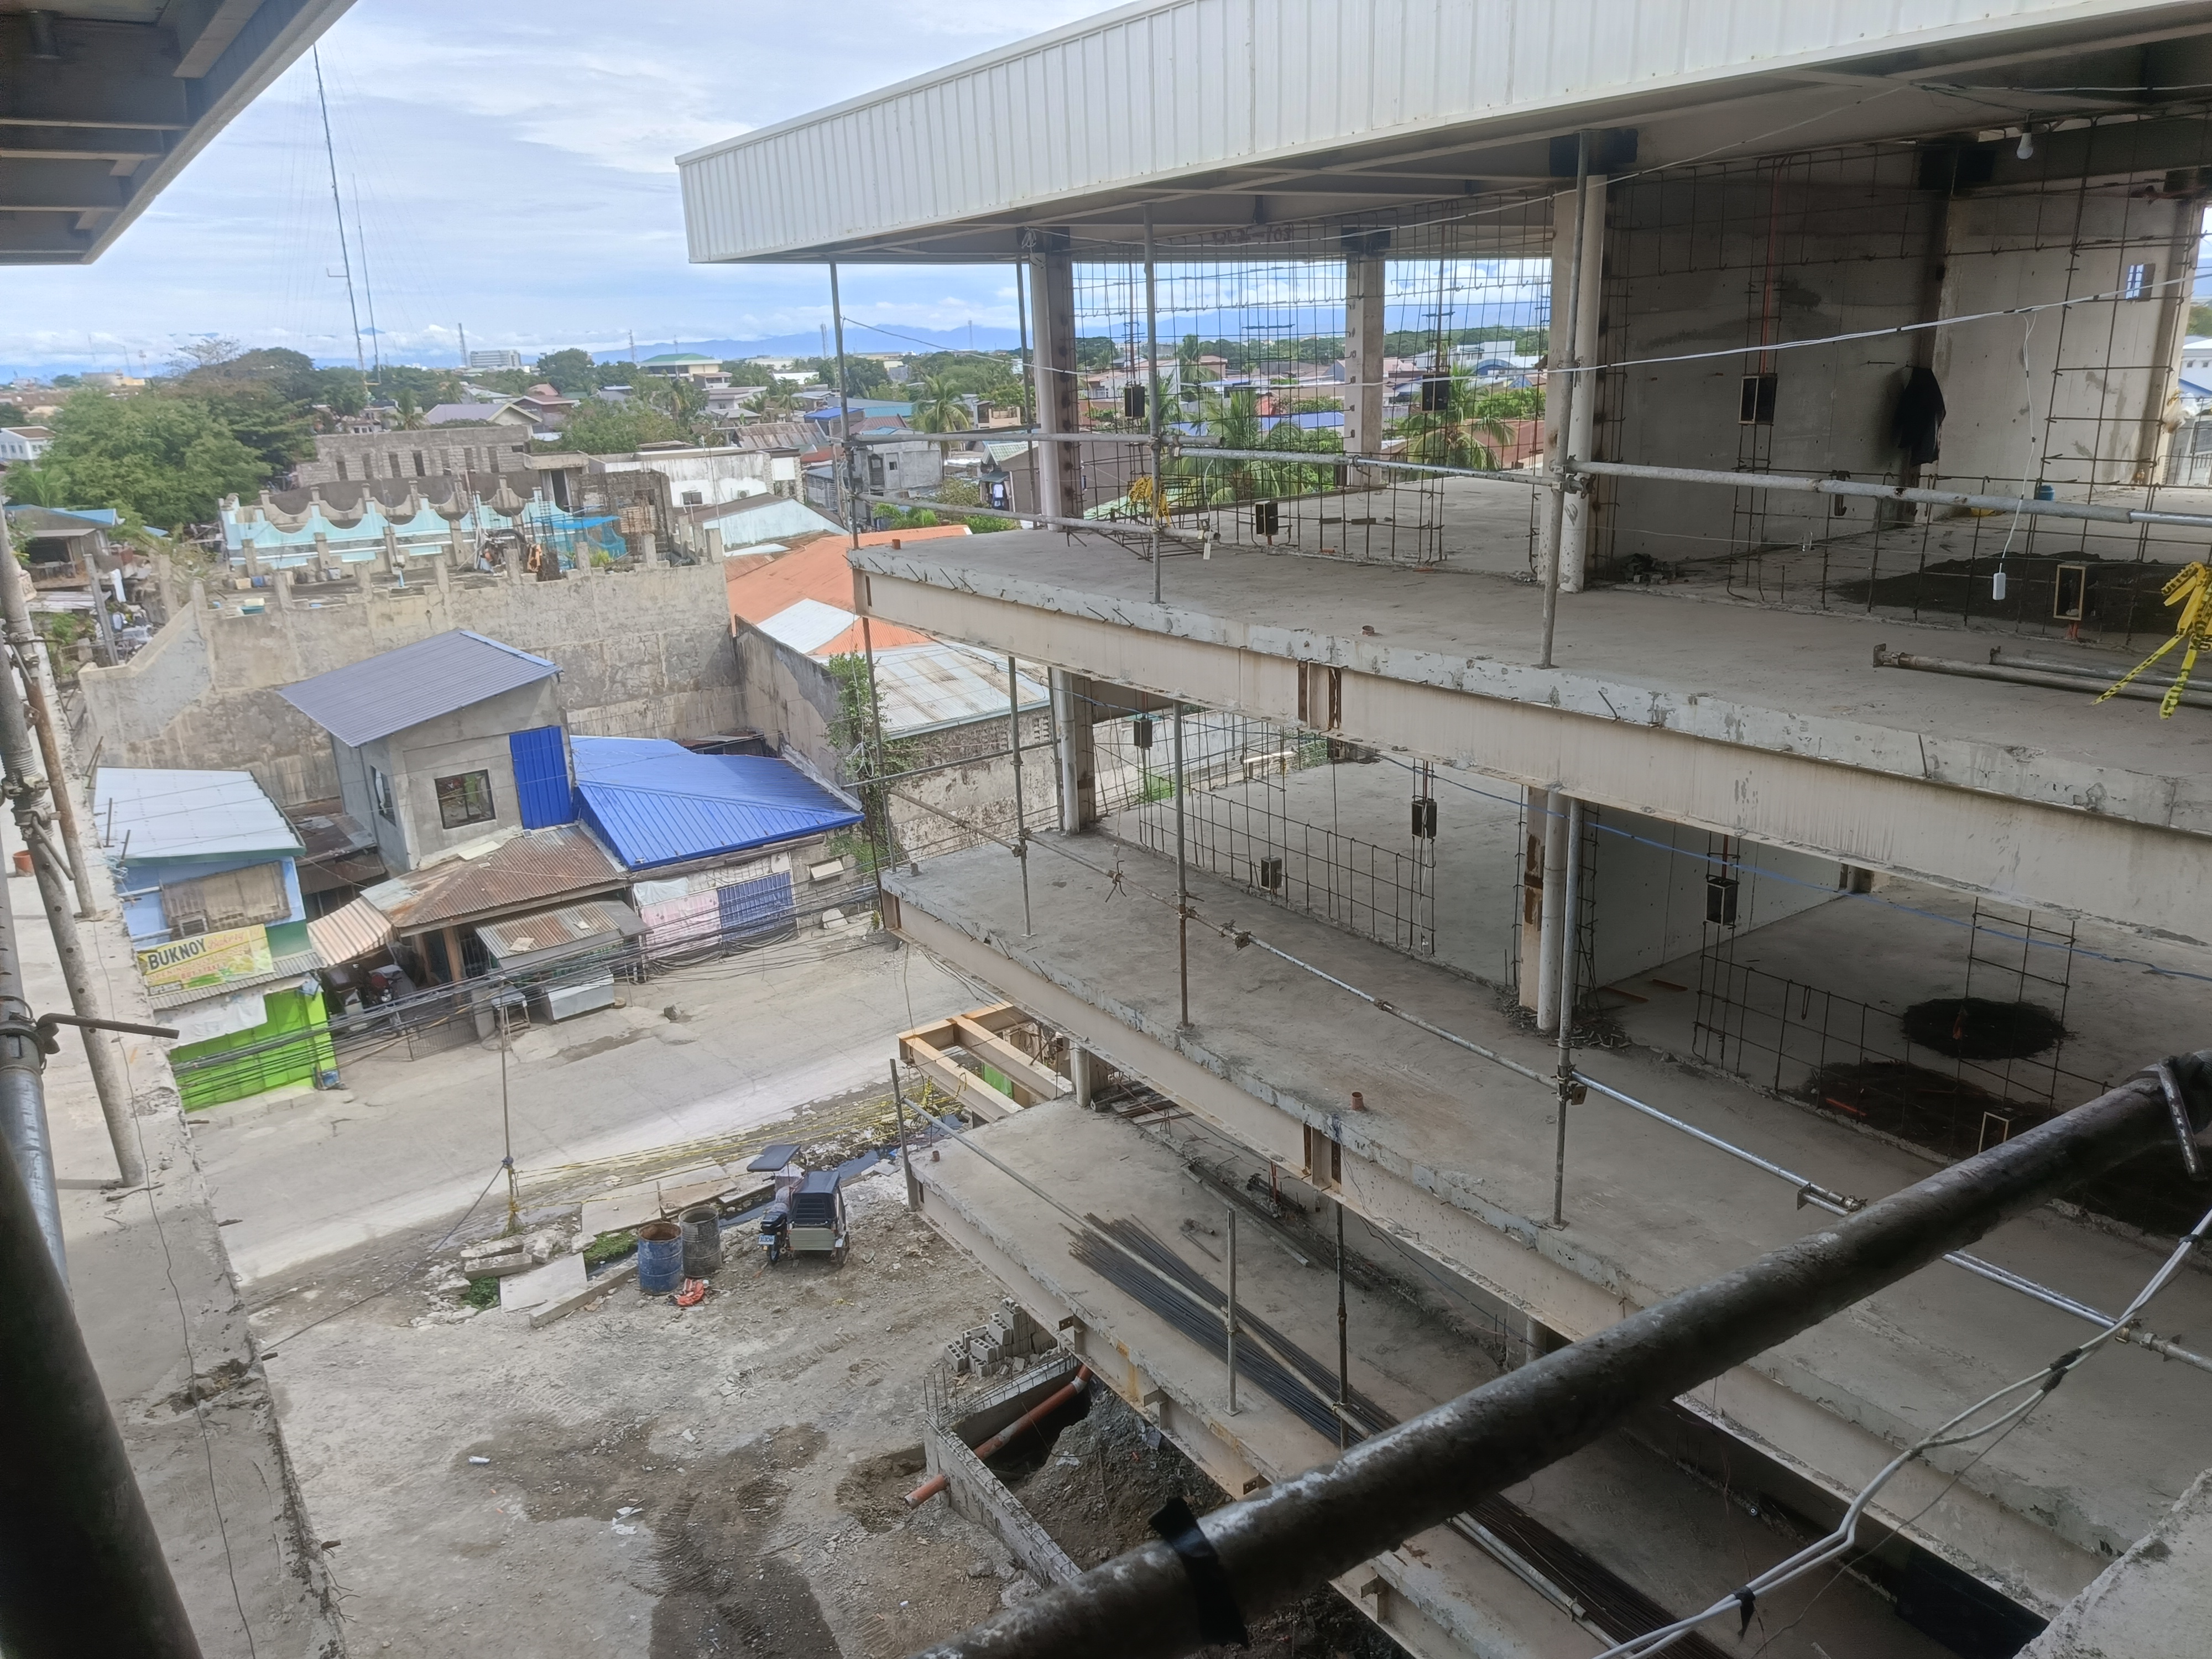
535, 866
657, 803
549, 935
1092, 115
395, 690
350, 931
177, 814
925, 687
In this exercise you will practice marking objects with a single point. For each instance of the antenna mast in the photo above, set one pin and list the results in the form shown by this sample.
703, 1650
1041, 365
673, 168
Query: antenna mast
337, 206
367, 290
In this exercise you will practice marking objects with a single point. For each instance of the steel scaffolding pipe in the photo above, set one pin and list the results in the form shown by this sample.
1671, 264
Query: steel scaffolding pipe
82, 1570
1269, 1550
2033, 509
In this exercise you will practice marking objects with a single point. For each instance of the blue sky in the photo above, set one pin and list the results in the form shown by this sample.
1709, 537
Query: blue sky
513, 165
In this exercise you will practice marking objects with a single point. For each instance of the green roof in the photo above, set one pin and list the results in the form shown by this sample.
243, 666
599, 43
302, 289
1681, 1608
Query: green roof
679, 357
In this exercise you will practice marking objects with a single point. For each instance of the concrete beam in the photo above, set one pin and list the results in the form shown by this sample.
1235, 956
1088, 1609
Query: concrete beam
1536, 1272
1975, 815
205, 29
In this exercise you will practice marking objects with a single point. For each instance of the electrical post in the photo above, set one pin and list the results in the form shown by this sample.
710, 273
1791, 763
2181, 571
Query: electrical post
24, 786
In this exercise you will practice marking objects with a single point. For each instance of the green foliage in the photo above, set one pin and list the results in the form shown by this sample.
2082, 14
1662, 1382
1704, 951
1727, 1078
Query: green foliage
906, 518
427, 386
66, 382
607, 1247
1233, 421
937, 407
14, 414
571, 372
864, 376
168, 460
595, 427
481, 1293
852, 733
1096, 351
1525, 403
37, 486
1456, 435
2200, 320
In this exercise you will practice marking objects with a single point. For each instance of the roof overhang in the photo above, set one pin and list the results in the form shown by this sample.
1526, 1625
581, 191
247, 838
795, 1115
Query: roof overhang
104, 102
1224, 116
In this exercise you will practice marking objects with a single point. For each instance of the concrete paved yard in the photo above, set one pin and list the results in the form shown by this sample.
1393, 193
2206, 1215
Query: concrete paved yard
407, 1143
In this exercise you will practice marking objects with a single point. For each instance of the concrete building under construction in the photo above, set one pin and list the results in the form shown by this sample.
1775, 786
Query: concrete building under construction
1524, 893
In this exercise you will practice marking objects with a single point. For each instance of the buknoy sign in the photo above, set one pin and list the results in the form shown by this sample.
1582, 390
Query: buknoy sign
209, 960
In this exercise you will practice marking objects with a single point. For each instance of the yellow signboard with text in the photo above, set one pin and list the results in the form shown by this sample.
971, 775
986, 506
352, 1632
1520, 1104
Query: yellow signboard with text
211, 960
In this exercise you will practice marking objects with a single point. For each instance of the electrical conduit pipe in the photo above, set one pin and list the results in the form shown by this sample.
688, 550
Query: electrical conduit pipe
1006, 1436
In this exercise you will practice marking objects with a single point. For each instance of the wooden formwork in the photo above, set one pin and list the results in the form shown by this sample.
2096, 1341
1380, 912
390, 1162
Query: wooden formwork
980, 1034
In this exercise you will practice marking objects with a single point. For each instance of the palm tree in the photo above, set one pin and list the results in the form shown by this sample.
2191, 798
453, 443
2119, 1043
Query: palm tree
1454, 434
939, 408
1233, 421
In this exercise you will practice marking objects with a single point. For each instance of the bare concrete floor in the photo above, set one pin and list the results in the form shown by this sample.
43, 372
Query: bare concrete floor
655, 1482
1649, 1212
1676, 1539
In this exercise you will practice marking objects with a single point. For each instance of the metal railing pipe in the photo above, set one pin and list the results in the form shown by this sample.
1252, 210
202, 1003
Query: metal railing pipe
1266, 1552
2090, 511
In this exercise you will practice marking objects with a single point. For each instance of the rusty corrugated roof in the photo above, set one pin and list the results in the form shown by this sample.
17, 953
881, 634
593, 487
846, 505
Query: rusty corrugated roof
349, 932
538, 867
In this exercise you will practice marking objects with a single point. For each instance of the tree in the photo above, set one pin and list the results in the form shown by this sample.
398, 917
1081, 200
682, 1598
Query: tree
167, 459
204, 351
596, 427
410, 412
938, 408
571, 372
35, 486
1454, 434
1096, 351
14, 414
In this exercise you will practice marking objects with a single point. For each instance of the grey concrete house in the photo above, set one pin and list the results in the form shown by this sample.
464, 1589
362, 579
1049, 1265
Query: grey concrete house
444, 742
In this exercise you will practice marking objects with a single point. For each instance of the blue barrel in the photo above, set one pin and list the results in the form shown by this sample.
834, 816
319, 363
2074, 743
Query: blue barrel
659, 1258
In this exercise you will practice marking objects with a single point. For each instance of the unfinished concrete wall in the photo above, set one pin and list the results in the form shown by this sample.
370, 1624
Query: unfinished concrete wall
1651, 900
787, 697
642, 654
1737, 256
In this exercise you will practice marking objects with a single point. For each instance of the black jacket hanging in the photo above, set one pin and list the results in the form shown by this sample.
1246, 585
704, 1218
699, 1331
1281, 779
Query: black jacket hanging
1917, 427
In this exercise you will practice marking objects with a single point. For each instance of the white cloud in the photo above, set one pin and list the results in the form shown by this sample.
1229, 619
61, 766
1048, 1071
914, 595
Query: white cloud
513, 167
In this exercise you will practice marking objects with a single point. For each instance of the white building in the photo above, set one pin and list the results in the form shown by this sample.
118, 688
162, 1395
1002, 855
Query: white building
19, 444
496, 359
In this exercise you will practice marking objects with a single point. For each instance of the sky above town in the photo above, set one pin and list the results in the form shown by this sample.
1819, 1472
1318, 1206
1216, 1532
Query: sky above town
511, 169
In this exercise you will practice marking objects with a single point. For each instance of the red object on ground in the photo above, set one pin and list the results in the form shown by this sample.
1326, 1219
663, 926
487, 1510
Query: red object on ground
998, 1441
22, 864
693, 1293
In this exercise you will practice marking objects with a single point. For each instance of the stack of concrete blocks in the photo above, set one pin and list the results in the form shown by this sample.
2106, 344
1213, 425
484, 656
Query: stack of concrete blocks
1006, 1344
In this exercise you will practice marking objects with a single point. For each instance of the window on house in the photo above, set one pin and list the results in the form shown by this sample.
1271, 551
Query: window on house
235, 898
694, 498
464, 799
380, 792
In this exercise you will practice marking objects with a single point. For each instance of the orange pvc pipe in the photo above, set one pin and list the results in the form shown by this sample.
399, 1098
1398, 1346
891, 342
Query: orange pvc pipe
1006, 1436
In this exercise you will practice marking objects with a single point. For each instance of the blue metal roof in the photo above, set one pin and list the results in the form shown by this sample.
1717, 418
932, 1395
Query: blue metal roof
389, 692
656, 803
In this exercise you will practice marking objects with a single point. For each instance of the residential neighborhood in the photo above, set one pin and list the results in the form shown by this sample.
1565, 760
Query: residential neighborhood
1155, 829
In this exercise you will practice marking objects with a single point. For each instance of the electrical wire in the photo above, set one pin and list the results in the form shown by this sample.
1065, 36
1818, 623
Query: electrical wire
2035, 1388
269, 1349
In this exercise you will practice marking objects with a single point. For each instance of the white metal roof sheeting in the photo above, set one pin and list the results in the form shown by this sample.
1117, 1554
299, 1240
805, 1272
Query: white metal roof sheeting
163, 814
925, 688
1164, 88
806, 624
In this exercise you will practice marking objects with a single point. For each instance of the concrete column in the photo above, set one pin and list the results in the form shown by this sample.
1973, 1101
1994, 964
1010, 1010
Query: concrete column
1555, 923
322, 553
1079, 1072
714, 542
1059, 394
649, 552
364, 576
1574, 534
2162, 395
1077, 756
165, 580
393, 556
1365, 272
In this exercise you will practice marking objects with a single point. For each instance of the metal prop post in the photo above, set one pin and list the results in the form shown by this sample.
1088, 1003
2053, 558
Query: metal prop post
1560, 464
1021, 818
1183, 879
1229, 1313
1570, 936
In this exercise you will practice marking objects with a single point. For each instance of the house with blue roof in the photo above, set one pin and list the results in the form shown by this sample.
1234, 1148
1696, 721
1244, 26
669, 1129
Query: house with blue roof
723, 850
444, 742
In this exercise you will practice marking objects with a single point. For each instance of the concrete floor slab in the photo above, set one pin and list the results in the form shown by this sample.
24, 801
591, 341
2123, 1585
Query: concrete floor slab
1768, 723
1649, 1211
1674, 1538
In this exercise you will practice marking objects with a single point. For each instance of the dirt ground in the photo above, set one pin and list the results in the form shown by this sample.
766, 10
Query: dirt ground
719, 1480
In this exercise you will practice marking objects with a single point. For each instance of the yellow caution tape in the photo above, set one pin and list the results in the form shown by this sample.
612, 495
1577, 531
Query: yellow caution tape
2192, 591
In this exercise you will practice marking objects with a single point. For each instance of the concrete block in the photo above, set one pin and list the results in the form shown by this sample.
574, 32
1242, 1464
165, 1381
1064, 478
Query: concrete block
568, 1302
982, 1353
629, 1207
557, 1279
